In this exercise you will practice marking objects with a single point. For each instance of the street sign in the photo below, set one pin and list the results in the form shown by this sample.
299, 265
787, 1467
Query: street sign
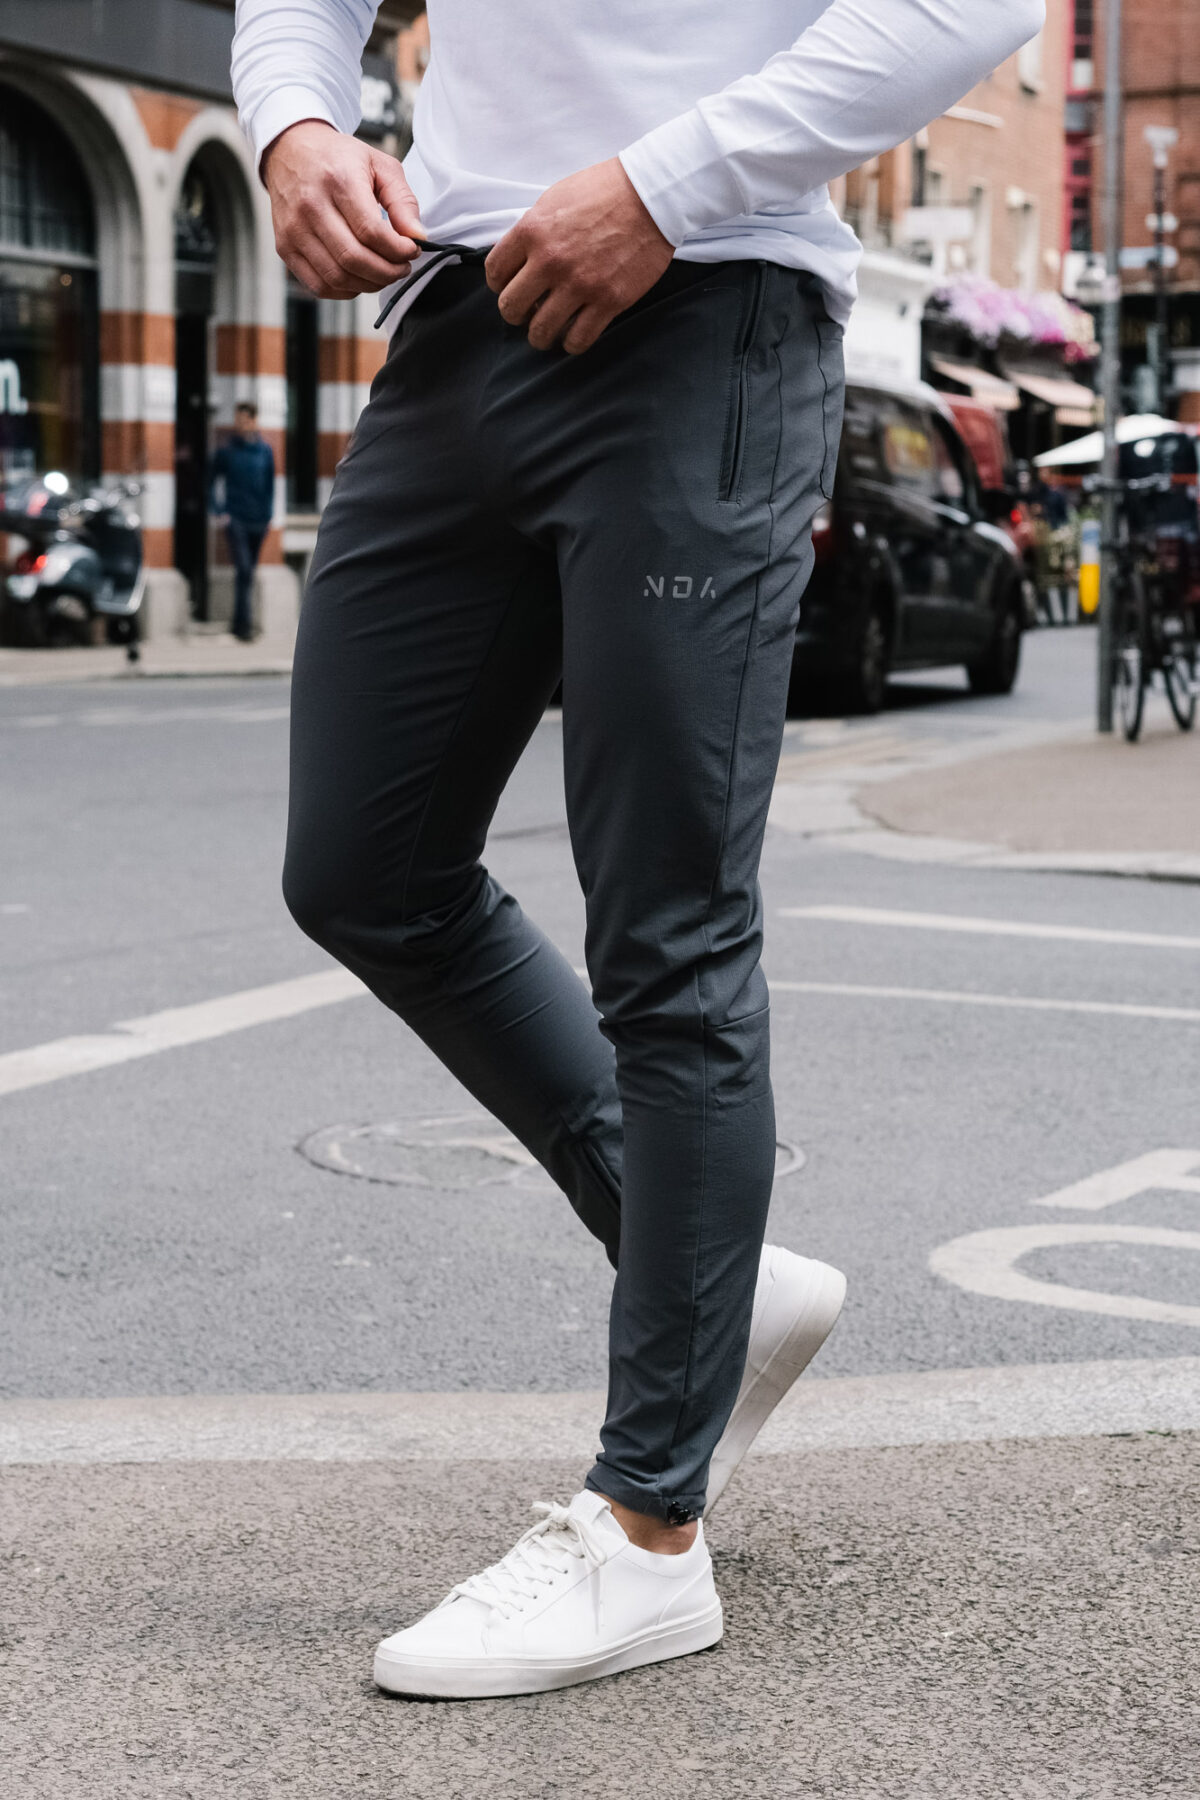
1169, 222
1145, 256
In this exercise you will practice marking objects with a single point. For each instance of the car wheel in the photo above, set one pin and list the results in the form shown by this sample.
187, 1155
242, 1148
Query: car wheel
867, 683
996, 671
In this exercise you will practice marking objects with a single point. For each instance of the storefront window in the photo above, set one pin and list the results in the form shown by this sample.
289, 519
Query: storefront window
49, 354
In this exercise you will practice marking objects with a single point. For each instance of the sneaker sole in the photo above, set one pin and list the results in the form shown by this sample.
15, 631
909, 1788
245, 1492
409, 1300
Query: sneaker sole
493, 1678
787, 1363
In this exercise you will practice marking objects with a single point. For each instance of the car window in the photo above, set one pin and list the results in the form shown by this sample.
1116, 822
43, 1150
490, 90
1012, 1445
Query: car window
908, 451
860, 456
952, 471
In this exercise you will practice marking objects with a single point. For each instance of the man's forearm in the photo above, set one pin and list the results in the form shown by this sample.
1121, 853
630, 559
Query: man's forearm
865, 76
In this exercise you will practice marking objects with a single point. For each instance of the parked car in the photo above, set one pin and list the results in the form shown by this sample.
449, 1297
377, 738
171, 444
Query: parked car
911, 572
985, 433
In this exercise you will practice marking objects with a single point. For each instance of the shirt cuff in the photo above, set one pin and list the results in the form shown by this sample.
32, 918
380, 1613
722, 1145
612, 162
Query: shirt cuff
283, 107
682, 178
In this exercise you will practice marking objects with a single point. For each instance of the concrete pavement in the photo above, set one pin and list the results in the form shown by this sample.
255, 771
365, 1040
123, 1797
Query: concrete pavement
200, 653
994, 1621
1081, 796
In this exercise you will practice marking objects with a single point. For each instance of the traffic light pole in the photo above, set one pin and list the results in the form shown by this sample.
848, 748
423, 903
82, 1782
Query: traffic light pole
1110, 356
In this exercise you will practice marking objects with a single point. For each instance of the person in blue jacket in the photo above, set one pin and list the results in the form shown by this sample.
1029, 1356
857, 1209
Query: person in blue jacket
245, 469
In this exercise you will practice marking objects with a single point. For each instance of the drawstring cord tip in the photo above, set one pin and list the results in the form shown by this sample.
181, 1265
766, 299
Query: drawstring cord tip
467, 253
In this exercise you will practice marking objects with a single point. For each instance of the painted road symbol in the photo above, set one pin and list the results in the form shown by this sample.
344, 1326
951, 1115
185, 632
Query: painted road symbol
985, 1262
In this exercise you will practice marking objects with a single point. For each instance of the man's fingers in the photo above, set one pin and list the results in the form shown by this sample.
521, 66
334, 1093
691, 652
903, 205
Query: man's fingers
397, 199
585, 328
505, 259
369, 228
332, 239
522, 294
552, 318
315, 280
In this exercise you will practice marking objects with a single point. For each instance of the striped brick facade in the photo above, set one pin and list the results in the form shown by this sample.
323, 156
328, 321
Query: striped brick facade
137, 418
347, 366
136, 147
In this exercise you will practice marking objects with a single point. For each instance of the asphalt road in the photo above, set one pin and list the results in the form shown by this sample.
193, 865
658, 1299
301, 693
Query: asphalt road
165, 1233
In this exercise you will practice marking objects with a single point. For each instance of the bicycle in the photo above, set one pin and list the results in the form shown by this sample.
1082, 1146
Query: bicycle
1157, 592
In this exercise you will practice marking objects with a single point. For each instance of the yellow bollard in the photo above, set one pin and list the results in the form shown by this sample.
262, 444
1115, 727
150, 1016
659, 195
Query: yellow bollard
1089, 567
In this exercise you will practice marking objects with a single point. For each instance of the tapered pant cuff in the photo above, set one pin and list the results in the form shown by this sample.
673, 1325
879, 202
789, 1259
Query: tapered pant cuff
674, 1509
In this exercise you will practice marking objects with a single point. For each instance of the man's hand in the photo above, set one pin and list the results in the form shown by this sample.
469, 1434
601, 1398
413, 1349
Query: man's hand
581, 254
326, 190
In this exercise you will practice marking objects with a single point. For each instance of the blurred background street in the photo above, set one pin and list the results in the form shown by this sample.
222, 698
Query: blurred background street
272, 1287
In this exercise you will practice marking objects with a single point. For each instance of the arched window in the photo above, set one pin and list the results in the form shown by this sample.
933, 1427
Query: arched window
49, 322
45, 201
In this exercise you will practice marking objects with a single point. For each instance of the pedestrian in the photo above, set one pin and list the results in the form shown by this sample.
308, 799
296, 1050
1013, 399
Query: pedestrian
243, 475
595, 451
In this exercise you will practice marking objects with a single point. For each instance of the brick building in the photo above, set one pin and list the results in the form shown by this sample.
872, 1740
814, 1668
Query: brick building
1160, 56
978, 196
998, 154
140, 292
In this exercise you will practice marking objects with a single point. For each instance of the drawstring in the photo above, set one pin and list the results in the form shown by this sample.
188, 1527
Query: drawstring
467, 253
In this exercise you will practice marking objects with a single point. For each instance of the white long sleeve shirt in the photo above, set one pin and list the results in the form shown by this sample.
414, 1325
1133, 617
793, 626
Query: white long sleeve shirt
729, 116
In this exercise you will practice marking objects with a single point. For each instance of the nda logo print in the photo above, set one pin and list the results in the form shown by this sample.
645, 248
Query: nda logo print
682, 587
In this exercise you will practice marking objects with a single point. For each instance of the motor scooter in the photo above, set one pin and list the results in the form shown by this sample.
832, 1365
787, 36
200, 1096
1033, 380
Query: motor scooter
82, 561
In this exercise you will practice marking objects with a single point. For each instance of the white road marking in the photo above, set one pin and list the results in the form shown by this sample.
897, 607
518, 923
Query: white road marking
920, 921
984, 1262
177, 1026
1185, 1015
1158, 1169
945, 1406
182, 1025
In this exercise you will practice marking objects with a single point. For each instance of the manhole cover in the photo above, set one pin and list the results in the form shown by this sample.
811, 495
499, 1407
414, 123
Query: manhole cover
462, 1150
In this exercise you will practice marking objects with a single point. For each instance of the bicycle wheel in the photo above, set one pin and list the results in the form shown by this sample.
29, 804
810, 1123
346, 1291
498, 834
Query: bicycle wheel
1179, 670
1129, 657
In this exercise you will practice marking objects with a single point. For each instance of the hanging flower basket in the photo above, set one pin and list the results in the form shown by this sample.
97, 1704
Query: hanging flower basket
1003, 317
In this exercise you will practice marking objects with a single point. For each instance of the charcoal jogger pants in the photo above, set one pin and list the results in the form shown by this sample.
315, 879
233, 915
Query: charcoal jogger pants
637, 518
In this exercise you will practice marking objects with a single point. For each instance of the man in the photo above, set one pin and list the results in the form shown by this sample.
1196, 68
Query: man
595, 451
245, 469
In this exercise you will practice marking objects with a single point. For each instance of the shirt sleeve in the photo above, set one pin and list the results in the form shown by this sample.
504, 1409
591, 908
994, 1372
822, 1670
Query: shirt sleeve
298, 59
865, 76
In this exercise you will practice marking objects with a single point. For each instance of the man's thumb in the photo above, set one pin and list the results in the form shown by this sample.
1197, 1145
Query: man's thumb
396, 197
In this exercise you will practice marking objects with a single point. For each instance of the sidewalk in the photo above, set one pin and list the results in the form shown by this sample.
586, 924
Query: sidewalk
1083, 801
998, 1621
163, 658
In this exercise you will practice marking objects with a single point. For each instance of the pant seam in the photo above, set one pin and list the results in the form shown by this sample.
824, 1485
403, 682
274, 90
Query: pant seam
751, 632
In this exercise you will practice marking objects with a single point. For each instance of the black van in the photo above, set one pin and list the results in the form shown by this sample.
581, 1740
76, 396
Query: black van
910, 572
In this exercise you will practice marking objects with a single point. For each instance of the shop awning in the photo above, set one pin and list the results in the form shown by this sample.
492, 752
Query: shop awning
1073, 403
1000, 394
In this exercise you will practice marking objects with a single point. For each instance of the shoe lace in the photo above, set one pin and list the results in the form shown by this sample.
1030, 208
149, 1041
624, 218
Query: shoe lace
546, 1550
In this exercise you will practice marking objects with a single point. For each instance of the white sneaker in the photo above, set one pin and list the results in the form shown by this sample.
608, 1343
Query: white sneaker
573, 1599
796, 1304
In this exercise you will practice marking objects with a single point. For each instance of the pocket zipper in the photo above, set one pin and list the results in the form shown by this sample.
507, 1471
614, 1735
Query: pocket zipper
736, 428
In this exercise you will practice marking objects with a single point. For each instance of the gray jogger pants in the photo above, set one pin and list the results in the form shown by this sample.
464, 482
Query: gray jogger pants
637, 518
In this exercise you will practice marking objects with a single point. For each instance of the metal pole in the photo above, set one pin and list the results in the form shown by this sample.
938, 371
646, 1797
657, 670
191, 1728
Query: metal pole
1110, 355
1163, 371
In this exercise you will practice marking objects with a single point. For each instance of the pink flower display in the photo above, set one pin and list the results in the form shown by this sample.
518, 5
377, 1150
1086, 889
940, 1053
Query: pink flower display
991, 314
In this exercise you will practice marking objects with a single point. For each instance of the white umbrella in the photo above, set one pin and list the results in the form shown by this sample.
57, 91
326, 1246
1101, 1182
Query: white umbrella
1090, 449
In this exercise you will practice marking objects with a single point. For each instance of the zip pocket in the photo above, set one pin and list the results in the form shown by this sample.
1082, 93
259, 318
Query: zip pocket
738, 413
